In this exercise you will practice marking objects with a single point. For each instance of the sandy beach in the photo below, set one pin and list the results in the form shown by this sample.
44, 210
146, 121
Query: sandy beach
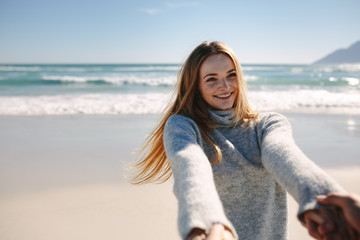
114, 211
62, 177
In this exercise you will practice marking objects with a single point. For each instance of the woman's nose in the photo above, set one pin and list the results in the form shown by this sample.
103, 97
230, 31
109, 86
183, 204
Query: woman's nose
224, 83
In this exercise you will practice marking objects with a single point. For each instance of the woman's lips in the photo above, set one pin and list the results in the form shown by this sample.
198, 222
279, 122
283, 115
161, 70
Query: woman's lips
224, 96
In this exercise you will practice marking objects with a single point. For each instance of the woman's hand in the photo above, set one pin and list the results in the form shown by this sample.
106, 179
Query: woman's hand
196, 234
217, 232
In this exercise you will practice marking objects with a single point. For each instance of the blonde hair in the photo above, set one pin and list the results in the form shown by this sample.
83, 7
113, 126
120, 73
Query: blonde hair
153, 165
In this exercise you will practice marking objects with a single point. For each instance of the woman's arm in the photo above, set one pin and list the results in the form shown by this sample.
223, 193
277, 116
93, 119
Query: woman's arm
199, 205
302, 178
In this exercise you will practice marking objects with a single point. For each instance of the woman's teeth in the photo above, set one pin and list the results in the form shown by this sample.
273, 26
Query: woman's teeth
224, 96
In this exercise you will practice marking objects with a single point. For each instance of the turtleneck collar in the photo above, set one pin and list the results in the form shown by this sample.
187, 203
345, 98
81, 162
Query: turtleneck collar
223, 117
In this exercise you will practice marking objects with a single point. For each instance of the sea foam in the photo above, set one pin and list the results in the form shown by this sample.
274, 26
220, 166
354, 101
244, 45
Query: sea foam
116, 80
303, 101
84, 104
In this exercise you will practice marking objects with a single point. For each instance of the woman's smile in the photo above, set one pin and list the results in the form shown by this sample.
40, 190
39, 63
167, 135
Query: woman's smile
224, 96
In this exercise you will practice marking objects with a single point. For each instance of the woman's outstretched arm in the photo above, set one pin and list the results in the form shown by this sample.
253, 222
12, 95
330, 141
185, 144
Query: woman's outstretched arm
302, 178
199, 205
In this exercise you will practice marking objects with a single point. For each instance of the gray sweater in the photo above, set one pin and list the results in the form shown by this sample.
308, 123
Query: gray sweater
246, 190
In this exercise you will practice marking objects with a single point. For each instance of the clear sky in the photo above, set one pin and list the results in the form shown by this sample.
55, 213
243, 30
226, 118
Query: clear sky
144, 31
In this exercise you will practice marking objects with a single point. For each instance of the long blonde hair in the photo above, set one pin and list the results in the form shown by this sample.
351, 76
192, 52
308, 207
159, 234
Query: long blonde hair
153, 165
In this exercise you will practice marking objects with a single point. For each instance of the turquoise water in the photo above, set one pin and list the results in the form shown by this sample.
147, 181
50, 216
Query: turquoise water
146, 88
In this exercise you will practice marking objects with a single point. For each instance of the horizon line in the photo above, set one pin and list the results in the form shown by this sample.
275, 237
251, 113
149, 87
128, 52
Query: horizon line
141, 63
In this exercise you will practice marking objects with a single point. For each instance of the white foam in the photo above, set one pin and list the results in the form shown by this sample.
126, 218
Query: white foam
351, 81
258, 68
68, 78
19, 69
148, 79
355, 67
84, 104
250, 78
316, 101
147, 68
350, 67
297, 70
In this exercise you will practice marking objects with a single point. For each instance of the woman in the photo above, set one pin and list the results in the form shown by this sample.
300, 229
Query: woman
231, 166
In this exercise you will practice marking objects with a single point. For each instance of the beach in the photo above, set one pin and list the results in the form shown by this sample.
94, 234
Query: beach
64, 177
69, 132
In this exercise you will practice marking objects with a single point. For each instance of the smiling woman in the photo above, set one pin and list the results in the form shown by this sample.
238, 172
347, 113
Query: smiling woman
232, 166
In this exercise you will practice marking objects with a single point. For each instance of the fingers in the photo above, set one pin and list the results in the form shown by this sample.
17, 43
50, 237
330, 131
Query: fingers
320, 223
326, 227
341, 229
337, 199
228, 235
349, 204
196, 234
311, 222
333, 236
216, 232
199, 237
220, 232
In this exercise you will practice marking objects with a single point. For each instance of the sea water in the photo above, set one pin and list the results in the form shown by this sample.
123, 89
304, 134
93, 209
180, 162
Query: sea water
109, 89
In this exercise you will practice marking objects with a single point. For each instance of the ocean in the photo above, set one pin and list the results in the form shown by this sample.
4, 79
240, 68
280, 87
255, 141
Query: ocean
108, 89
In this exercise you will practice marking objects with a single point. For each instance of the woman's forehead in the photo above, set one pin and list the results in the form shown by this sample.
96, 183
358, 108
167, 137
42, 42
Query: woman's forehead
215, 64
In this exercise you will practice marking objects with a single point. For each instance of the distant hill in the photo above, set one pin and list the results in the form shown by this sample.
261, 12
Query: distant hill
348, 55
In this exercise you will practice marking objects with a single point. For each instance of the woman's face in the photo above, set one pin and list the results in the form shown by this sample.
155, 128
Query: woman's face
218, 83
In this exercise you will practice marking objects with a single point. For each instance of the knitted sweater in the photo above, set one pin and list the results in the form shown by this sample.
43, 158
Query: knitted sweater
245, 190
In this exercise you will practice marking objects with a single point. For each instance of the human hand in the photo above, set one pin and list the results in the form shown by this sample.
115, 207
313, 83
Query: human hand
328, 224
349, 204
317, 223
217, 232
196, 234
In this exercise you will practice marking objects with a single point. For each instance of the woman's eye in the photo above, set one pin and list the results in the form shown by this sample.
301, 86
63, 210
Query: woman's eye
211, 80
232, 75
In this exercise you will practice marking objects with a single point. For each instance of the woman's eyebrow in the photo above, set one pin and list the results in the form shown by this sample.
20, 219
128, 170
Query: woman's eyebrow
214, 74
210, 74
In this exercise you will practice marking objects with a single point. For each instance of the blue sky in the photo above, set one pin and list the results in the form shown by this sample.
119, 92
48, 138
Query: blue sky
140, 31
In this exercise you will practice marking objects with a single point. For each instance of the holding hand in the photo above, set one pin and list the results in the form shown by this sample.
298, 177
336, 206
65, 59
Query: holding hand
217, 232
340, 221
328, 224
349, 204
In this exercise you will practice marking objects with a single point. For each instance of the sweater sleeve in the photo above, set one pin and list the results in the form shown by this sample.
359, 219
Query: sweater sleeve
199, 205
301, 177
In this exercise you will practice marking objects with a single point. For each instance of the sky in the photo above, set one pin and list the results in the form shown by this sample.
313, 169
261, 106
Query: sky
145, 31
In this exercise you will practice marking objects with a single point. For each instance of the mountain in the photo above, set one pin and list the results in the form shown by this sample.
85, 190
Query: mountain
348, 55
